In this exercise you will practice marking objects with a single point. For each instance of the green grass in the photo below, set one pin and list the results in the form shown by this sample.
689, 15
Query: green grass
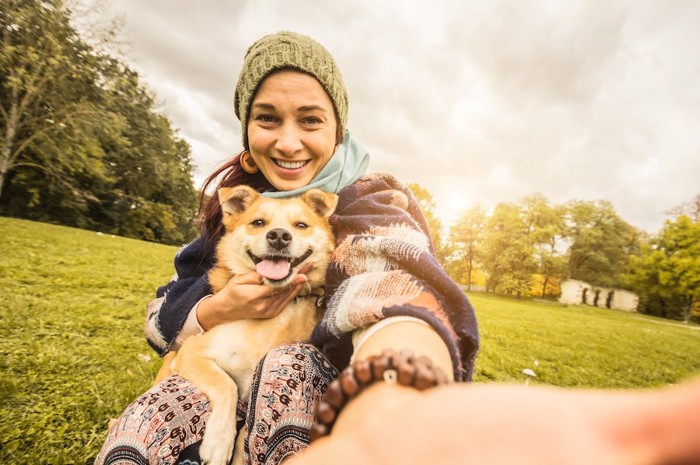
72, 348
73, 354
581, 346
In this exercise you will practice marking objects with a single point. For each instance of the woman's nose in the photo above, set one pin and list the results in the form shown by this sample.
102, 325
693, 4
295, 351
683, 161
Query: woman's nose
289, 140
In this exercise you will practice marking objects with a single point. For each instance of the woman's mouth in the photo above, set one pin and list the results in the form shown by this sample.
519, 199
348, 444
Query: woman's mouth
290, 165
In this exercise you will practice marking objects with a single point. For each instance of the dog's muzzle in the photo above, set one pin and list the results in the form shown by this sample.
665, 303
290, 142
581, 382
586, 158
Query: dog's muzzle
277, 267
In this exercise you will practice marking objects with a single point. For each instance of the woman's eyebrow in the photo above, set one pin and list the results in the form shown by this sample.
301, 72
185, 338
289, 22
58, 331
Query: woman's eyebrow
264, 106
312, 108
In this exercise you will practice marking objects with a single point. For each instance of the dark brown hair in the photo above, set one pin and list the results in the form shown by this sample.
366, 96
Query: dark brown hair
232, 174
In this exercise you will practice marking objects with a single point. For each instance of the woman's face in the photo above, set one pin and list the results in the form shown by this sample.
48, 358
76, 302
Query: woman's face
291, 129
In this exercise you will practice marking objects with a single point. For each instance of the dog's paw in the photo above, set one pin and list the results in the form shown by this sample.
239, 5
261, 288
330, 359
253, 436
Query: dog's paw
218, 440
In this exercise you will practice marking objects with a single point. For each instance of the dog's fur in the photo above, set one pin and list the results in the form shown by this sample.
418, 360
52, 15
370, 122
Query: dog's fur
259, 231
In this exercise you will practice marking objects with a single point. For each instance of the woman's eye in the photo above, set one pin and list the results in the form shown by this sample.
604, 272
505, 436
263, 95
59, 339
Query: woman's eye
265, 118
301, 225
312, 120
257, 223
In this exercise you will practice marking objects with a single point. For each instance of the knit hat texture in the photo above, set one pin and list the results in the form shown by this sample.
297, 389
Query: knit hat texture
288, 50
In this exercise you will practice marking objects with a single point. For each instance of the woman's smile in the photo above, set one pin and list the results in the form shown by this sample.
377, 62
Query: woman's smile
290, 165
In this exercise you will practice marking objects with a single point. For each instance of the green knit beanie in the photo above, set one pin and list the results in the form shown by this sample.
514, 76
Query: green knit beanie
288, 50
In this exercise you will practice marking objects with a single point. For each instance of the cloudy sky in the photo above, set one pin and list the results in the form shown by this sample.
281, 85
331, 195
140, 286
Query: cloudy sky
478, 101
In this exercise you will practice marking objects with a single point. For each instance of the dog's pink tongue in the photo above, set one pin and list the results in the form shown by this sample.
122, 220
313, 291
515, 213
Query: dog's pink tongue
273, 269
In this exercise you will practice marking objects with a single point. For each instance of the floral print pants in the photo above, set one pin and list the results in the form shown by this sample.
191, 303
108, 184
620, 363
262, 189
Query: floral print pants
165, 425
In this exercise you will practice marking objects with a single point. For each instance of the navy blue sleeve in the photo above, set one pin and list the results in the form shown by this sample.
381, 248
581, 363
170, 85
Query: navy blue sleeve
168, 312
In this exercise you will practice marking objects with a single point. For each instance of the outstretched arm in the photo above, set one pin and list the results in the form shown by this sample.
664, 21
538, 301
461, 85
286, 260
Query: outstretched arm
503, 424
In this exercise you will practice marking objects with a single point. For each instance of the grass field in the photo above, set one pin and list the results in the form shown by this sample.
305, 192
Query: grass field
72, 306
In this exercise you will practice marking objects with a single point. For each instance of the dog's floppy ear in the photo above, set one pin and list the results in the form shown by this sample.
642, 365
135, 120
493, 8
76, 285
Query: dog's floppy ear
237, 199
323, 203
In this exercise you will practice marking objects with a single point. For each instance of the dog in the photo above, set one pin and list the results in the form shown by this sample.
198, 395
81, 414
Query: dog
275, 237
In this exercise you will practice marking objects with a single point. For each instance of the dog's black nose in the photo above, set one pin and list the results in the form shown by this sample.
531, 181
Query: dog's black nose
279, 238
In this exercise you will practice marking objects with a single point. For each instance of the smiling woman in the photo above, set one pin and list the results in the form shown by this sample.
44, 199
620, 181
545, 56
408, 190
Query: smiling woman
384, 288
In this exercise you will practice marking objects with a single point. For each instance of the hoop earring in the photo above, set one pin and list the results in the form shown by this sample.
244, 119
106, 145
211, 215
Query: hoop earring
248, 164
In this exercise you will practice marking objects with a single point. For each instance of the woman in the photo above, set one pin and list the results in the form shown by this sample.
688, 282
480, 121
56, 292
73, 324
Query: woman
385, 290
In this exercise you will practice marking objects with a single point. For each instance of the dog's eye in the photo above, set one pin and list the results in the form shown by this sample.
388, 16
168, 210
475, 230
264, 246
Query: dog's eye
301, 225
257, 223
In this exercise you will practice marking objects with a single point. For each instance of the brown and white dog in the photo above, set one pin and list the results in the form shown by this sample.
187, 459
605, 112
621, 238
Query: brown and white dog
274, 237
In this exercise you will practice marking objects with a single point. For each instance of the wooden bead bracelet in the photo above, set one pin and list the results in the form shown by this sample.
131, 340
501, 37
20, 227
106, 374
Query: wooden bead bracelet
391, 367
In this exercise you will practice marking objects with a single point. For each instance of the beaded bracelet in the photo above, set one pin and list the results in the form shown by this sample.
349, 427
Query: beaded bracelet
391, 367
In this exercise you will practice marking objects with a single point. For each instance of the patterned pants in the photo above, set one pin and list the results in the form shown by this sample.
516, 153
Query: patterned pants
165, 425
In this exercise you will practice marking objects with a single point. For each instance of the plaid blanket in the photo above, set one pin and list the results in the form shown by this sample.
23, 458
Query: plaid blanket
383, 266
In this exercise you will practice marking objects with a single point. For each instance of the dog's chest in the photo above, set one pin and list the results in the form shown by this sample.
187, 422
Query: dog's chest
243, 343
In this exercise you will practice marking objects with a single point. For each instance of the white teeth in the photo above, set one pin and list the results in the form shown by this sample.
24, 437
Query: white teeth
290, 165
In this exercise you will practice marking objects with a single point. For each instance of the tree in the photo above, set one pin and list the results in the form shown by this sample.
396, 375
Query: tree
690, 209
47, 104
427, 204
81, 142
508, 252
152, 196
666, 273
545, 229
466, 236
600, 242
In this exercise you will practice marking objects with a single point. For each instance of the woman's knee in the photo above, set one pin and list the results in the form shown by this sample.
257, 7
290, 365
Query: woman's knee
289, 382
158, 425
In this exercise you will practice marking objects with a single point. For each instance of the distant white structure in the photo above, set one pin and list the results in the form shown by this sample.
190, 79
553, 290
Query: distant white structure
574, 292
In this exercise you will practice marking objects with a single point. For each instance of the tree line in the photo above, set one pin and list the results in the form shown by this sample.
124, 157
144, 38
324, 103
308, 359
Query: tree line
82, 142
527, 248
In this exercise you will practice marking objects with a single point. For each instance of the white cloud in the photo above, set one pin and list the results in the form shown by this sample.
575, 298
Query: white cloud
476, 101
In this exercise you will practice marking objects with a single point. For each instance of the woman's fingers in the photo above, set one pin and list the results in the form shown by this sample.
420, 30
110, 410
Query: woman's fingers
286, 299
247, 278
276, 303
306, 267
261, 300
294, 287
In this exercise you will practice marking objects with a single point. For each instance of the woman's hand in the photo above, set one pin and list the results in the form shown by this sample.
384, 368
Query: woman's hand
246, 296
503, 424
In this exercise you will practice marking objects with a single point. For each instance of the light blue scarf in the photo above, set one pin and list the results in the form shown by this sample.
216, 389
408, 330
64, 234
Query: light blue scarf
347, 165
